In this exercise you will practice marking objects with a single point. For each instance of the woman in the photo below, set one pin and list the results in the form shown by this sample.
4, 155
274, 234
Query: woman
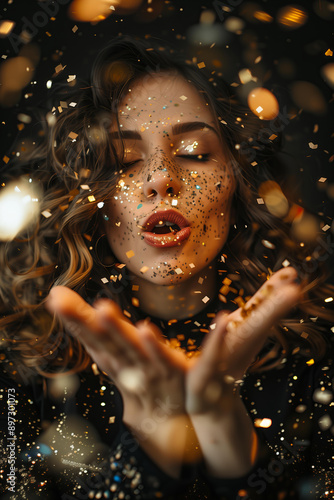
145, 173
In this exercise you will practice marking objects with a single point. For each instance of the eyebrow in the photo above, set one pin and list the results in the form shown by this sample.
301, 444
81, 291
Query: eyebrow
179, 128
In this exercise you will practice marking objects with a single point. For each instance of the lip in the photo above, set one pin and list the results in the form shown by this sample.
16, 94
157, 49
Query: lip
166, 240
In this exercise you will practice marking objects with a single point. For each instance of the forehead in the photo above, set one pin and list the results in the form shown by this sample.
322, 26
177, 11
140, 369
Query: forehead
165, 96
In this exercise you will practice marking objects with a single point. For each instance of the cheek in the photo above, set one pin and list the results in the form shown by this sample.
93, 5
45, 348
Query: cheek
208, 187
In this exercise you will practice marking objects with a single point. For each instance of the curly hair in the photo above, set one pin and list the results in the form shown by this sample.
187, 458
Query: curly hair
77, 165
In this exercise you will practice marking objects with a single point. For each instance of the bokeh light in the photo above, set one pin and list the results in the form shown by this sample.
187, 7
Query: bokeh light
327, 72
19, 207
263, 103
292, 17
308, 97
275, 201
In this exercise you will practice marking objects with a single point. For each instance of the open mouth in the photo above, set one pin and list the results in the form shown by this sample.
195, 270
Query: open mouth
166, 228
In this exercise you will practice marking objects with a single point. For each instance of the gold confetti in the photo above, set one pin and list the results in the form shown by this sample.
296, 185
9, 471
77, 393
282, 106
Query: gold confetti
205, 299
329, 52
130, 254
46, 214
72, 135
201, 65
144, 269
91, 198
5, 159
6, 27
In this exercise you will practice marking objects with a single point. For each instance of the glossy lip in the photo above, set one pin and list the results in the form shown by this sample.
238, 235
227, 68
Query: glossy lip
166, 240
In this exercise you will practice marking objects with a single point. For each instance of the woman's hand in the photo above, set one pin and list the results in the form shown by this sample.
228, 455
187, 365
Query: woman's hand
148, 374
224, 430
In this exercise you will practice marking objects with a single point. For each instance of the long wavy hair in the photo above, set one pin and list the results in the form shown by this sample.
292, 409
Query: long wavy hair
76, 163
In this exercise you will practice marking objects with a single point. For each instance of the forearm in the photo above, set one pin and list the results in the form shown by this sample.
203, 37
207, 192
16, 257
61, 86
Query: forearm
228, 440
165, 438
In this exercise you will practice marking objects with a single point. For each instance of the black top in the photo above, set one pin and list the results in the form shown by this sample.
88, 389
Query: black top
71, 442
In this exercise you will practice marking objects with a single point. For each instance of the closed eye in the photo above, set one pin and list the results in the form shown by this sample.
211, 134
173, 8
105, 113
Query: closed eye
130, 163
204, 157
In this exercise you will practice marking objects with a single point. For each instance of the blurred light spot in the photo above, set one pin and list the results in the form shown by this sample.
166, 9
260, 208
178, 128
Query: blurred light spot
292, 16
323, 396
262, 16
18, 208
90, 10
207, 17
275, 201
308, 97
305, 227
117, 72
234, 24
264, 423
327, 72
324, 9
263, 103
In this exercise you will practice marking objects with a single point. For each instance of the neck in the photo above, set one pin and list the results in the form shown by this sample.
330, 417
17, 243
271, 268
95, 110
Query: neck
178, 301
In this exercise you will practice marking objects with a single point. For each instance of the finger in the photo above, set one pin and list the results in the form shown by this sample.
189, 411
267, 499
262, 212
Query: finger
244, 339
93, 326
163, 357
125, 334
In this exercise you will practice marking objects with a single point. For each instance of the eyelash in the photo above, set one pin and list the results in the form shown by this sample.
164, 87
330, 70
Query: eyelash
205, 157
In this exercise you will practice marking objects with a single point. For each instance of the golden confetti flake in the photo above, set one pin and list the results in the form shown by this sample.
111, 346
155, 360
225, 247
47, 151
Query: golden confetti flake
201, 65
6, 27
72, 135
46, 214
329, 53
130, 254
91, 198
144, 269
5, 159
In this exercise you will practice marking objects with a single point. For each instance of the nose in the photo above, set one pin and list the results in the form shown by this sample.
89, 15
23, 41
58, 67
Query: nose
161, 177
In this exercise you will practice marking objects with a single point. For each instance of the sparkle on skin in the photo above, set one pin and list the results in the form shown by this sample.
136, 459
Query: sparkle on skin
161, 169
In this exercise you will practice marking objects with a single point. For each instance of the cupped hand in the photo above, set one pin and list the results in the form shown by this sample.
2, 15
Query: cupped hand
237, 338
142, 367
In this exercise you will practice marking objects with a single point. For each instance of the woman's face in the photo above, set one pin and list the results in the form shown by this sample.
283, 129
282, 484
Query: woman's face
170, 214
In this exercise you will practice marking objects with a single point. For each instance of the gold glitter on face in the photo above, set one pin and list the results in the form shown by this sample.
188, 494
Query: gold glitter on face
172, 204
